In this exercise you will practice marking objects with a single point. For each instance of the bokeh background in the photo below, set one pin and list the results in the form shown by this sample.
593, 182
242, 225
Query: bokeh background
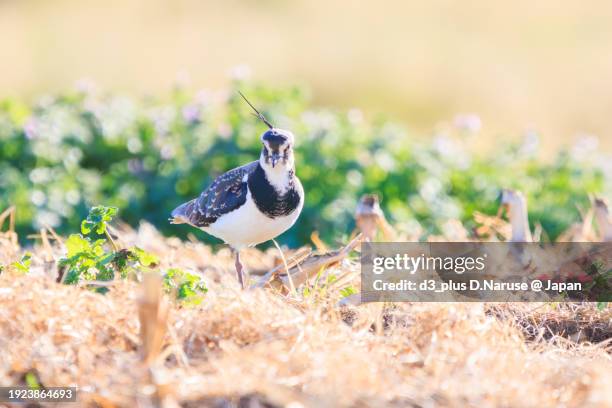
521, 66
435, 105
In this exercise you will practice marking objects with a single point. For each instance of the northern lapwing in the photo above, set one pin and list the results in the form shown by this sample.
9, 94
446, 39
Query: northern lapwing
369, 217
253, 203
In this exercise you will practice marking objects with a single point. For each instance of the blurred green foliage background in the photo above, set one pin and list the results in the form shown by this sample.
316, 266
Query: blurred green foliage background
519, 65
64, 153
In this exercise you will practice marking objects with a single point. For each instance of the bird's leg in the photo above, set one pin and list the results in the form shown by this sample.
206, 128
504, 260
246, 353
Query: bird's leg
239, 269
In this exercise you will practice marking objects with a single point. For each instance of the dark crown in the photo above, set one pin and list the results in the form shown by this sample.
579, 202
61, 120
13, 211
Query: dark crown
274, 138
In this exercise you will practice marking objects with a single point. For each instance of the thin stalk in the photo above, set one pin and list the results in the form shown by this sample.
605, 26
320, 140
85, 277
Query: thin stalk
292, 286
111, 240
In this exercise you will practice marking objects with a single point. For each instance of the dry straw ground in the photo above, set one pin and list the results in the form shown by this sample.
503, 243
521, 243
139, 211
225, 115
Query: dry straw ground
136, 347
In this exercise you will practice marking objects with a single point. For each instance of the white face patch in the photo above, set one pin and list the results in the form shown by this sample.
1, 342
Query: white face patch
280, 175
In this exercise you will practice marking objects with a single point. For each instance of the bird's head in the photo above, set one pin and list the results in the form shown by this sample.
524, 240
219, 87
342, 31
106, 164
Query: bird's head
277, 149
511, 199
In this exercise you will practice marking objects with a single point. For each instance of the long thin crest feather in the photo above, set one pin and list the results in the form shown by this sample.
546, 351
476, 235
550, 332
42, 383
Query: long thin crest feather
257, 113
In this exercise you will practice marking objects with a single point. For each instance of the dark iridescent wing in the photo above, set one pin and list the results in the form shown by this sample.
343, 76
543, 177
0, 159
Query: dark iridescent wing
226, 193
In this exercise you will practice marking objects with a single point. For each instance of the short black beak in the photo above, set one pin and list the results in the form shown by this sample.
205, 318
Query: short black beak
275, 158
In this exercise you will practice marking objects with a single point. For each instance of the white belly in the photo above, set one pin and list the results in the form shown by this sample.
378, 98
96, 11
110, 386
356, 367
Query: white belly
247, 226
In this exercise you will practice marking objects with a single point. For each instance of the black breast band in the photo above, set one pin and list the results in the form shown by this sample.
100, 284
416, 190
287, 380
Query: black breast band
268, 200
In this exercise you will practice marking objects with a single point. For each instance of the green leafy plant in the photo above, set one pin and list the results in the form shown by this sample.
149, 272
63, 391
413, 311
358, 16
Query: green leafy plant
348, 291
89, 258
93, 255
189, 287
32, 381
23, 265
97, 220
322, 285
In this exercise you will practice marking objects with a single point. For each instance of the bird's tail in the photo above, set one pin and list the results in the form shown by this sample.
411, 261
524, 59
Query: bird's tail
182, 213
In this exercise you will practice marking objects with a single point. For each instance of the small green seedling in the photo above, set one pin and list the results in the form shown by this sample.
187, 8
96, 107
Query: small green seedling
347, 291
321, 286
190, 288
23, 265
88, 258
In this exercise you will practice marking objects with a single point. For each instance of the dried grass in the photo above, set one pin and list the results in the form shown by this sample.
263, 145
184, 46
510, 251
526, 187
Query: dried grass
262, 348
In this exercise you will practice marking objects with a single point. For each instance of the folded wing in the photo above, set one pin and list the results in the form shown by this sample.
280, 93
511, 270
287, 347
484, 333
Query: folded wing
227, 193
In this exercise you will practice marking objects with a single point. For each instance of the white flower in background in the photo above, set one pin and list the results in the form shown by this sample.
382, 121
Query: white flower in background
44, 218
449, 208
463, 162
444, 208
393, 131
191, 113
479, 182
38, 198
384, 160
44, 102
51, 152
86, 86
167, 152
452, 151
430, 189
73, 197
355, 116
364, 158
604, 162
337, 208
241, 72
31, 128
204, 97
162, 118
72, 157
318, 120
57, 123
182, 79
134, 145
115, 117
446, 146
127, 192
585, 147
531, 143
354, 177
40, 175
309, 118
468, 122
56, 201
